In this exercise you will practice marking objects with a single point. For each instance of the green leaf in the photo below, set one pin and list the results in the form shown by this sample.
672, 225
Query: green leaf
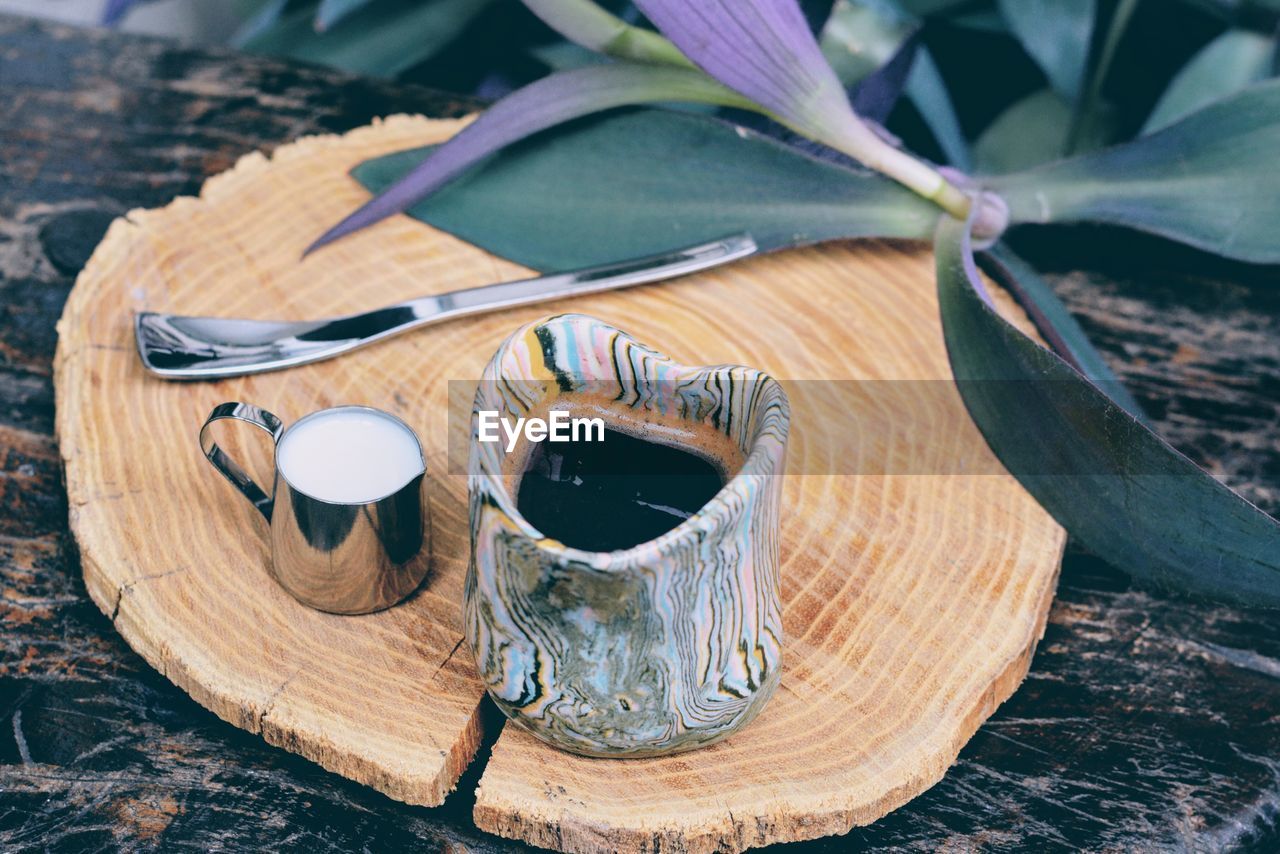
1209, 181
1090, 100
858, 39
330, 12
1030, 132
586, 23
924, 8
383, 41
1057, 34
1223, 67
1055, 323
565, 55
546, 102
645, 181
1118, 488
262, 19
980, 20
925, 87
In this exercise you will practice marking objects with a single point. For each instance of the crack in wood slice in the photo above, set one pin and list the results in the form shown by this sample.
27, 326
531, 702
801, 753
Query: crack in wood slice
913, 602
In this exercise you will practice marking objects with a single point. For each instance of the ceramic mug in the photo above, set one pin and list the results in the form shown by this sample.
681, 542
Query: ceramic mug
666, 646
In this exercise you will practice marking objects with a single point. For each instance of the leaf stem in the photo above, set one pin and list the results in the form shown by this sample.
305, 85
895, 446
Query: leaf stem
856, 139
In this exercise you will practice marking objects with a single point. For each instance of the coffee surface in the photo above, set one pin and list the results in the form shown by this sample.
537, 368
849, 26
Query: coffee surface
613, 494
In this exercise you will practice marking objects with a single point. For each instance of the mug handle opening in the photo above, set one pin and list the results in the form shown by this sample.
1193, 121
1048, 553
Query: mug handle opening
228, 467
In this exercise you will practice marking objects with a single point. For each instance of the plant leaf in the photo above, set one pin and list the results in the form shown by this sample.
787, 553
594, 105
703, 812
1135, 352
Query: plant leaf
590, 25
1209, 181
330, 12
872, 53
115, 10
980, 20
927, 90
1057, 34
259, 22
924, 8
1087, 105
646, 181
1029, 132
564, 55
1056, 324
816, 13
875, 96
383, 41
544, 103
1223, 67
765, 50
861, 37
1117, 487
1033, 131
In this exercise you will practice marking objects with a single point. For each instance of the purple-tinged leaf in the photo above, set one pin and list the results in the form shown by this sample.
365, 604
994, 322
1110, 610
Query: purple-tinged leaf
872, 55
875, 95
547, 102
115, 10
590, 193
1117, 487
872, 51
861, 37
763, 49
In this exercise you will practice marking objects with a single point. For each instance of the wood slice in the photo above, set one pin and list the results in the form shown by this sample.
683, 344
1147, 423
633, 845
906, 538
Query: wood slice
913, 602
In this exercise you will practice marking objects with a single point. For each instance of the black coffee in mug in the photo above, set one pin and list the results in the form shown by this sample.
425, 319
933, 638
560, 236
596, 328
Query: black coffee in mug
615, 493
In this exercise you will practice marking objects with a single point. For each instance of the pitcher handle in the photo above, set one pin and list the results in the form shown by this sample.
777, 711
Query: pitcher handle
229, 468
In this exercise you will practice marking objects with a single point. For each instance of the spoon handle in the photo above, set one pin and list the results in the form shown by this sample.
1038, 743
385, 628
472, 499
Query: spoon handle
182, 347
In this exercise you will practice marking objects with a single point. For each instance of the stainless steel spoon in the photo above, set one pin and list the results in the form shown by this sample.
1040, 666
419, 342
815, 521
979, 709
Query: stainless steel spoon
200, 348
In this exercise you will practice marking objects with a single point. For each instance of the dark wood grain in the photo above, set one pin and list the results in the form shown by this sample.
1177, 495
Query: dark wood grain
1147, 721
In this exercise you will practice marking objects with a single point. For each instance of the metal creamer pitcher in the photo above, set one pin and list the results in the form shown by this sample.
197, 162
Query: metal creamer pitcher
344, 557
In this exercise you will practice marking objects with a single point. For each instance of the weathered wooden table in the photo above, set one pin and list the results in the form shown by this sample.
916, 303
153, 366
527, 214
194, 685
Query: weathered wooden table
1147, 720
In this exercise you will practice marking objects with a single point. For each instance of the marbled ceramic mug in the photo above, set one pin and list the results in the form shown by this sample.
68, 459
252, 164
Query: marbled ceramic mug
665, 646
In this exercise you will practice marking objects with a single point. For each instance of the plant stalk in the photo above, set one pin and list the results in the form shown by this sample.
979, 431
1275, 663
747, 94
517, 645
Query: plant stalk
860, 142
